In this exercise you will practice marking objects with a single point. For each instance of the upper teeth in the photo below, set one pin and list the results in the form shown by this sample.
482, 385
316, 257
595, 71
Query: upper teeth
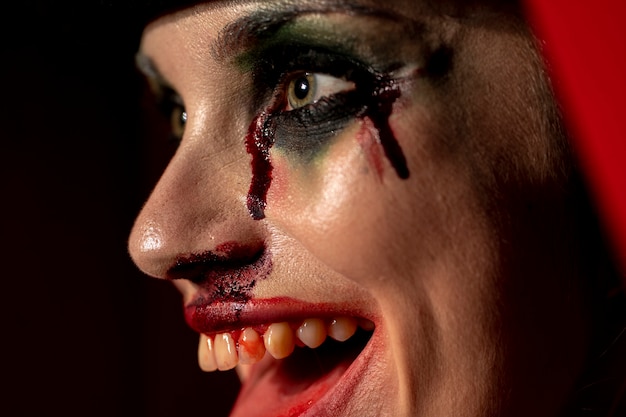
223, 351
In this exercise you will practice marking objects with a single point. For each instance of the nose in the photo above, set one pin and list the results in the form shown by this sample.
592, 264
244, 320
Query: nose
198, 207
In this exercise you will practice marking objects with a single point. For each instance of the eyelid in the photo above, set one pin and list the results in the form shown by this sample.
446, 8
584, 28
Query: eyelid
273, 65
176, 98
291, 55
325, 86
167, 98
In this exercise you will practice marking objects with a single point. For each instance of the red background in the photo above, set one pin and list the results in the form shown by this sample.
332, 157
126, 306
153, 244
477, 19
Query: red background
585, 43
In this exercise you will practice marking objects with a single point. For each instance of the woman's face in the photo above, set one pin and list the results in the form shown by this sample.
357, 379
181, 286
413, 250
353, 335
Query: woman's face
381, 178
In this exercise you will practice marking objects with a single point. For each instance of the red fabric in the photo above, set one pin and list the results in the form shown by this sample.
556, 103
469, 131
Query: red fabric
585, 45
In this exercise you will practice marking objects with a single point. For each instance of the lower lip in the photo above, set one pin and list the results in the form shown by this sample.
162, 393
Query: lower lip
328, 396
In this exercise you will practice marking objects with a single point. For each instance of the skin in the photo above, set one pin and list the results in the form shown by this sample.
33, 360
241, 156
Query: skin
465, 267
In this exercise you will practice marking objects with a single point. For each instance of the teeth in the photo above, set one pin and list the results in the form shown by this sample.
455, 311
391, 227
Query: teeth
206, 354
279, 340
312, 332
342, 328
251, 348
225, 351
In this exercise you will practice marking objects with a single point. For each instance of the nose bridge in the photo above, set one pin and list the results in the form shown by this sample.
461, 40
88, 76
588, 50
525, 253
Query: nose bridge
198, 205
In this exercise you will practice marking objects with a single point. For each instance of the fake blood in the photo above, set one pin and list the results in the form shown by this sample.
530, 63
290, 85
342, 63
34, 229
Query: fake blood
261, 135
226, 274
379, 112
259, 141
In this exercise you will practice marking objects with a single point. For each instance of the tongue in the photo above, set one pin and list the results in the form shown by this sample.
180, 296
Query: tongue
288, 387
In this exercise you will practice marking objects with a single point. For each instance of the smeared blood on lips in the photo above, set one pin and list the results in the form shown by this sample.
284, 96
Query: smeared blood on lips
219, 316
226, 275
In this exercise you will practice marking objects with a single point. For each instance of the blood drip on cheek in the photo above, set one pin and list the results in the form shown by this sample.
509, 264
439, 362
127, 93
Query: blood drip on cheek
259, 141
367, 137
379, 112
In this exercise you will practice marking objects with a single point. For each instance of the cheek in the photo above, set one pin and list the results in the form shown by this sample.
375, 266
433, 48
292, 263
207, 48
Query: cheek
309, 199
366, 138
350, 209
338, 206
282, 186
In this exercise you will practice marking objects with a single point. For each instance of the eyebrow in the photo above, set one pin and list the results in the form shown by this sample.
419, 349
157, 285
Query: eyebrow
240, 35
247, 31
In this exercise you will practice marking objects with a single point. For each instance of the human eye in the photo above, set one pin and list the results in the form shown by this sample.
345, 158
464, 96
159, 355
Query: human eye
311, 95
178, 121
172, 107
307, 88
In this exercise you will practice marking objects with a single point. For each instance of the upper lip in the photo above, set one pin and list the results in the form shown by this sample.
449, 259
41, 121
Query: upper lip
222, 298
216, 317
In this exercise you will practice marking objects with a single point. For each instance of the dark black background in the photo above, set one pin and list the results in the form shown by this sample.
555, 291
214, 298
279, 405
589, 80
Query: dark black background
84, 333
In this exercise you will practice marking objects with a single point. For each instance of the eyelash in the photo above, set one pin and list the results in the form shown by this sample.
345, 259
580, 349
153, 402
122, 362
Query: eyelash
306, 129
172, 107
276, 65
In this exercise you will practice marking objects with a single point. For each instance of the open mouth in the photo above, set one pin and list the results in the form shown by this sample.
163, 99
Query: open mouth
290, 366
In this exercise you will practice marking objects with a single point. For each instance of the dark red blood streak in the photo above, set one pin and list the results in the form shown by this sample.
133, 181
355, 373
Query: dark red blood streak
261, 135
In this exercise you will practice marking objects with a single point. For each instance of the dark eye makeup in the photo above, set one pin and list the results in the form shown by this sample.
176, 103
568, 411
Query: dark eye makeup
305, 131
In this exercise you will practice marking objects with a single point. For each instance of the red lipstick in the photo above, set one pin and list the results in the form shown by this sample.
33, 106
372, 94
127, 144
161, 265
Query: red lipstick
216, 317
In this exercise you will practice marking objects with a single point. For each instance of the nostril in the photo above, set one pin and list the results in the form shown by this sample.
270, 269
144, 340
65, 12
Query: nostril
225, 257
227, 273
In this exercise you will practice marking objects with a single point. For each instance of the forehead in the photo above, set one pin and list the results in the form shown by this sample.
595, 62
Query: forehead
161, 8
153, 10
254, 18
225, 29
172, 42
